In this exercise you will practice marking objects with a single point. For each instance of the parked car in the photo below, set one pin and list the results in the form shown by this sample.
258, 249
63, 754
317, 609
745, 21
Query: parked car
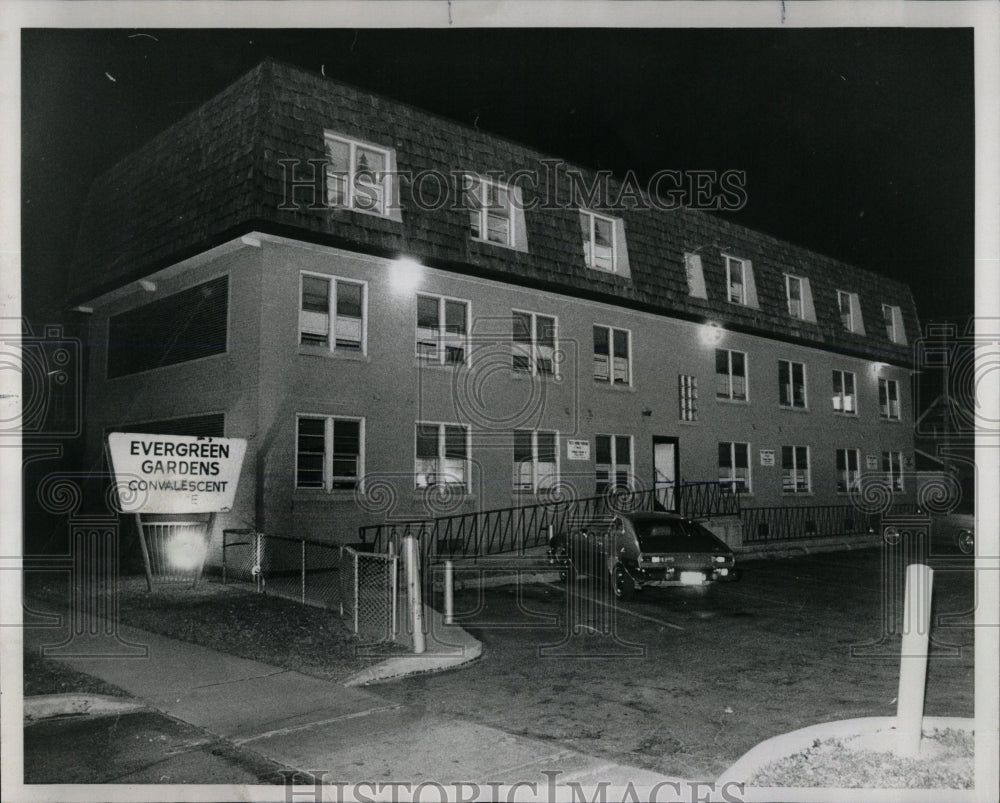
645, 549
955, 530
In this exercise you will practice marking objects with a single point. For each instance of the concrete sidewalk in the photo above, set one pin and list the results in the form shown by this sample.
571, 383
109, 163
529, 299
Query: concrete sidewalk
350, 734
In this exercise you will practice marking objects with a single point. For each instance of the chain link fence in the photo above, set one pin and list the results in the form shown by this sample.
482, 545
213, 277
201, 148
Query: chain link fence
368, 593
361, 585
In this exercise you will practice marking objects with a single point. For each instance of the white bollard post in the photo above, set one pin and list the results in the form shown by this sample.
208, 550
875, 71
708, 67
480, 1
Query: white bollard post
449, 592
913, 657
411, 554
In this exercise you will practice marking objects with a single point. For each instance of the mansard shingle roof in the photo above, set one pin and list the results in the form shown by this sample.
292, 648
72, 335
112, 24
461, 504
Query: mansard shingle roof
218, 173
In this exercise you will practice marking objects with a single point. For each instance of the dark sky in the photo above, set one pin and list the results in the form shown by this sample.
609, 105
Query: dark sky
857, 143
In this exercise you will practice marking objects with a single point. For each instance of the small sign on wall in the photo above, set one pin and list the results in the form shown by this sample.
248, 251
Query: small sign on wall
767, 457
871, 462
577, 450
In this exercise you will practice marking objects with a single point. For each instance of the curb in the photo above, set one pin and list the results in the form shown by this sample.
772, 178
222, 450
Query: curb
448, 647
51, 706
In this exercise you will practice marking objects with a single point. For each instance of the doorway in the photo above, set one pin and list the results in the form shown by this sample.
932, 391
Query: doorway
666, 470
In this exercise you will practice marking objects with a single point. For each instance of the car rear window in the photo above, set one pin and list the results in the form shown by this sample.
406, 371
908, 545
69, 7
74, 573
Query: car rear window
675, 536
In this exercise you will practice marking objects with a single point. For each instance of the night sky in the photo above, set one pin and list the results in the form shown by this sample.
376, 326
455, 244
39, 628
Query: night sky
857, 143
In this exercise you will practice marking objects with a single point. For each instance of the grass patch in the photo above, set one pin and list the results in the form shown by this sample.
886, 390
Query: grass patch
45, 676
314, 641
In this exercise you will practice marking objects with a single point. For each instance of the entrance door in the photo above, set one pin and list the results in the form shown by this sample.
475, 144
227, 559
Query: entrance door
666, 469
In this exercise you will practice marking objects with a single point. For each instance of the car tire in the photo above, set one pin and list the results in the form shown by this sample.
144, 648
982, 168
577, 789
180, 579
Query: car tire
966, 542
622, 584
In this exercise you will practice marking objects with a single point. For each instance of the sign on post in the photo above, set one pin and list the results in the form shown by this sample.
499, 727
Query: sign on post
166, 475
175, 473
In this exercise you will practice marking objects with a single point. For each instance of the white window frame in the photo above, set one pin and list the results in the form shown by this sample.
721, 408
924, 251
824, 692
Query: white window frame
687, 394
331, 324
888, 412
851, 480
382, 187
796, 470
611, 381
892, 467
329, 479
536, 485
614, 468
800, 283
744, 291
791, 386
441, 459
443, 339
482, 210
729, 381
535, 353
839, 399
590, 244
728, 484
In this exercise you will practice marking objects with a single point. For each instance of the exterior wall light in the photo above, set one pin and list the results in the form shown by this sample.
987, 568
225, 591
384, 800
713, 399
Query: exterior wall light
405, 275
711, 333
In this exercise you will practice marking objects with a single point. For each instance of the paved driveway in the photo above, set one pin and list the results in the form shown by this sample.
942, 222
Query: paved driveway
684, 681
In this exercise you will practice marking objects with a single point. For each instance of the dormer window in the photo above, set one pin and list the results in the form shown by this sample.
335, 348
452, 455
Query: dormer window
491, 217
740, 286
893, 317
357, 175
846, 311
793, 292
600, 241
849, 307
736, 280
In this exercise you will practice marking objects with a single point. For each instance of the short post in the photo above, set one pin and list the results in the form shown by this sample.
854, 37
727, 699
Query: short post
449, 592
411, 554
303, 571
913, 657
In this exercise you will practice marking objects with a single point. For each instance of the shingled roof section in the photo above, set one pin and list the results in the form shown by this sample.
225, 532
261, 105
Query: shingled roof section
218, 173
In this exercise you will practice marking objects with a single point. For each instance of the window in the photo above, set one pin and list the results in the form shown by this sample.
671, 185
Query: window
848, 470
734, 467
357, 175
844, 398
343, 331
442, 455
792, 384
849, 306
612, 355
491, 212
893, 317
613, 461
730, 375
534, 346
795, 470
687, 392
181, 327
793, 292
892, 467
536, 466
736, 280
599, 241
442, 330
329, 452
888, 399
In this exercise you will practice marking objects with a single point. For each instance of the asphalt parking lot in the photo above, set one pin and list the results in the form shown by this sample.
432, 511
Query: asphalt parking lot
685, 680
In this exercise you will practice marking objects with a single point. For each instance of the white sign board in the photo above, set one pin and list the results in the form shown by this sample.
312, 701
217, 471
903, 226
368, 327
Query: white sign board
871, 462
577, 450
175, 473
767, 457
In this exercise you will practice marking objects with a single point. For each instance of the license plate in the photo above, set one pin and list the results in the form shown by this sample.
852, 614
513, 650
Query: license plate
692, 578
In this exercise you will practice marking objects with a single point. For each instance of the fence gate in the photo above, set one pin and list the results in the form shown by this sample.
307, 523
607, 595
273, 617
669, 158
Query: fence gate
368, 595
